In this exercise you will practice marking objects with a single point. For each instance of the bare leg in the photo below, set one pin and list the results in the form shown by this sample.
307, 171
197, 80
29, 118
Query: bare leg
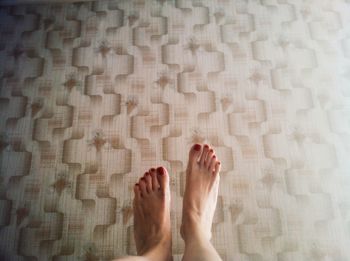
152, 230
201, 192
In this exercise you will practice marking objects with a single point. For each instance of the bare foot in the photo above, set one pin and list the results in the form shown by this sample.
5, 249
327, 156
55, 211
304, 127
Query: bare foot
152, 230
201, 192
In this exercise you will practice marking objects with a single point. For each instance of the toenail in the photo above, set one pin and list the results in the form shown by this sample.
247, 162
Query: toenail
161, 170
211, 150
147, 173
143, 178
214, 156
197, 147
206, 146
219, 163
137, 184
153, 169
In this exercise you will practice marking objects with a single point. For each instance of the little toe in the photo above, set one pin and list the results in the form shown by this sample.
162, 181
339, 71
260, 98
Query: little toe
217, 168
137, 192
155, 183
163, 178
195, 152
204, 154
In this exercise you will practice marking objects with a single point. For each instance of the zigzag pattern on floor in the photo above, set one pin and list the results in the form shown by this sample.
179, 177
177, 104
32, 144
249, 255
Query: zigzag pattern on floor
93, 94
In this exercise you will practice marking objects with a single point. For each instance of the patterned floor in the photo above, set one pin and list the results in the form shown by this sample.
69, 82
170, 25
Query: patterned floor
93, 94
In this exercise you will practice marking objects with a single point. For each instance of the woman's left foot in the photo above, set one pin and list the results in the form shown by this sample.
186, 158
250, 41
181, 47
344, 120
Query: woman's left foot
152, 229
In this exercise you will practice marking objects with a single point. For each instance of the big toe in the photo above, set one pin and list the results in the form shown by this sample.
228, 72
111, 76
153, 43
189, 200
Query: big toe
163, 178
195, 151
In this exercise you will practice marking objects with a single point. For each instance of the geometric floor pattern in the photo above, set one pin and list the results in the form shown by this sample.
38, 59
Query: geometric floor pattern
92, 94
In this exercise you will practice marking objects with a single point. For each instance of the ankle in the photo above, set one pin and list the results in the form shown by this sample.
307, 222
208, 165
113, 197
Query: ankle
192, 229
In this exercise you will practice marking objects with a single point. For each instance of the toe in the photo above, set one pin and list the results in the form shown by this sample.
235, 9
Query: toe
212, 163
209, 158
195, 152
155, 183
143, 186
204, 154
137, 192
163, 178
148, 179
217, 168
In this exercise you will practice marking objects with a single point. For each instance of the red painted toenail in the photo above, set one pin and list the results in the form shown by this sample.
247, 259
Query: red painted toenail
219, 163
197, 147
161, 170
214, 156
137, 184
147, 173
211, 150
143, 178
153, 169
206, 146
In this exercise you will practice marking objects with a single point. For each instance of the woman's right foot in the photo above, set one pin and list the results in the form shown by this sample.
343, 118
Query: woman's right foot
201, 192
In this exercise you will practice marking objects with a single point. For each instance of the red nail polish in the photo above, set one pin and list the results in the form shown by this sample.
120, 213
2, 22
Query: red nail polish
214, 156
161, 170
197, 147
147, 173
206, 146
219, 163
211, 150
143, 178
153, 169
137, 184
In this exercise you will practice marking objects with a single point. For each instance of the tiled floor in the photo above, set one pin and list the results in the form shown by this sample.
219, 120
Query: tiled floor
93, 94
